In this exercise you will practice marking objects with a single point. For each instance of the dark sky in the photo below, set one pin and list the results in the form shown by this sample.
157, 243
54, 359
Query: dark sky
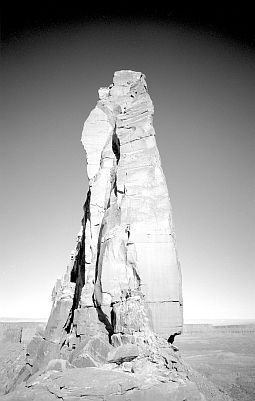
199, 65
233, 22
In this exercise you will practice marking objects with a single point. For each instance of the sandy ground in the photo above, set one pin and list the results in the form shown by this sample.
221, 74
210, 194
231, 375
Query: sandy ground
228, 360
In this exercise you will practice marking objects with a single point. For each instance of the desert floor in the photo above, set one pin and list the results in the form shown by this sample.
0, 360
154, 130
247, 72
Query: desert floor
228, 360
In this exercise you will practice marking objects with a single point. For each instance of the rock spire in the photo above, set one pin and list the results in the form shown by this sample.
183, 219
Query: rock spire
117, 308
125, 264
124, 276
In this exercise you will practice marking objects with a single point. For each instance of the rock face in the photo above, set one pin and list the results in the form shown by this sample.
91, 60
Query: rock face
14, 337
124, 278
118, 307
131, 265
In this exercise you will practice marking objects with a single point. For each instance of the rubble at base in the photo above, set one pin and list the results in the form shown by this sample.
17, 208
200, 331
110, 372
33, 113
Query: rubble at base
158, 374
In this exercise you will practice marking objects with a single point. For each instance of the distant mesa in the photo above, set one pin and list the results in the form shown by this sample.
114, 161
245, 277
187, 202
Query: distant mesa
22, 319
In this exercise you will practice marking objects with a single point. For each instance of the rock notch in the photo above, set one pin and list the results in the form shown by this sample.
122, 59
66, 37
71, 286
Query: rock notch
119, 305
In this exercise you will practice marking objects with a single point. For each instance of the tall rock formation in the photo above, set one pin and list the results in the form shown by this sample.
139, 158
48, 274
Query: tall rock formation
129, 239
124, 278
124, 274
119, 305
127, 246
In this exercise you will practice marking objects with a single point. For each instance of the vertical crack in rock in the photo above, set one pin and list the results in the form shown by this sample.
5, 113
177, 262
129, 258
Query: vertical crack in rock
116, 145
97, 295
123, 281
77, 275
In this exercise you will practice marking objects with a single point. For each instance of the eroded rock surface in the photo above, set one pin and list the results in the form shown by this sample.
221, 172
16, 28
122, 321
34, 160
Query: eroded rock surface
119, 305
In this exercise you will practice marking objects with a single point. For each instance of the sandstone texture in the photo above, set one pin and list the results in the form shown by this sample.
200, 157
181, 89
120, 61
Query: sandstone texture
118, 307
14, 338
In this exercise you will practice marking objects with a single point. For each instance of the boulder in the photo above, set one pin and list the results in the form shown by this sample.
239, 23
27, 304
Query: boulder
91, 352
124, 353
58, 364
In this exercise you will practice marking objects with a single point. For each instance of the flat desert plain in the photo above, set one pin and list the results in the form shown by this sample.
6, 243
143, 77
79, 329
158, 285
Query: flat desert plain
227, 359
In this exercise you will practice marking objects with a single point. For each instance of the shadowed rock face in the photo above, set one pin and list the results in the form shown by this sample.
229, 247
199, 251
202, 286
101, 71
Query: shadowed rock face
119, 305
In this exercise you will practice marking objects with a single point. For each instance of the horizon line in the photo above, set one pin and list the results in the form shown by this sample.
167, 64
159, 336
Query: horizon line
185, 321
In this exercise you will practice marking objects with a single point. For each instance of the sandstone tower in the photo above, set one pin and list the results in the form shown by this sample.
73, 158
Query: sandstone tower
126, 250
117, 308
124, 276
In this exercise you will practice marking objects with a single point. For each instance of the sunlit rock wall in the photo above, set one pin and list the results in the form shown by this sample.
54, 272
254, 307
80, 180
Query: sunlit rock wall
123, 282
129, 238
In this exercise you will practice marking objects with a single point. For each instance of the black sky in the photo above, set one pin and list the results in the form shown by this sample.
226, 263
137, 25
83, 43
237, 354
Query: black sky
234, 22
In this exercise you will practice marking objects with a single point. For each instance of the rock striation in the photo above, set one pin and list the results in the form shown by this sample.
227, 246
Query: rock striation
118, 307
